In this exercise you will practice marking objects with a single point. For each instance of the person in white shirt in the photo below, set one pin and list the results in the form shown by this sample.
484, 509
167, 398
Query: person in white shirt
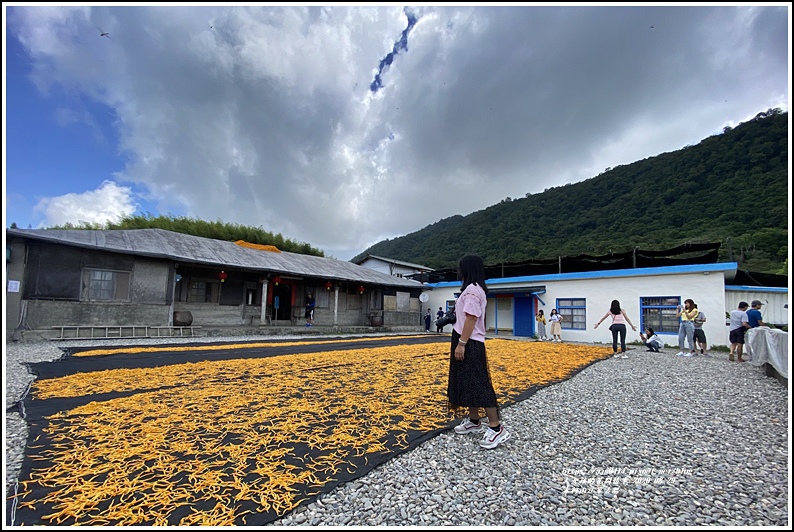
556, 328
651, 340
737, 327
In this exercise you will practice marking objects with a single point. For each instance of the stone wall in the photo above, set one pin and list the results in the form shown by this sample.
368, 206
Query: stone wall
43, 314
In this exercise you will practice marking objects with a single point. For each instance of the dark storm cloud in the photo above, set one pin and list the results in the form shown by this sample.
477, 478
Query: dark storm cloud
271, 117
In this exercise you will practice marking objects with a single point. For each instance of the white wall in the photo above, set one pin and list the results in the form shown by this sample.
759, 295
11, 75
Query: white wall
388, 268
772, 310
707, 290
377, 265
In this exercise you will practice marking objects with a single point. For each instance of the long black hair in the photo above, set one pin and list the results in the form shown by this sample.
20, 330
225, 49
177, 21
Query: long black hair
615, 308
471, 270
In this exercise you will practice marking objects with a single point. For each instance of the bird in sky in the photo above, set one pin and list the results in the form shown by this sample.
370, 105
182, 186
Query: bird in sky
103, 33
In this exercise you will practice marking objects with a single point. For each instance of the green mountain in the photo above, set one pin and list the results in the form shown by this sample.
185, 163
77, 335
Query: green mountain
731, 188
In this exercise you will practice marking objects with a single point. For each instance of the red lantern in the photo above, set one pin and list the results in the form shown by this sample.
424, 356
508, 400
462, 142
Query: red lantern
276, 280
223, 275
361, 289
328, 285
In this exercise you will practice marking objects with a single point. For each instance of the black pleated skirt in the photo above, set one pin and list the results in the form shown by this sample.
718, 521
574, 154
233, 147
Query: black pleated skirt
469, 379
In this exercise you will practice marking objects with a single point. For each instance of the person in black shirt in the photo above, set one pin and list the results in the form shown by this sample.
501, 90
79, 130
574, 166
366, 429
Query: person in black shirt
309, 315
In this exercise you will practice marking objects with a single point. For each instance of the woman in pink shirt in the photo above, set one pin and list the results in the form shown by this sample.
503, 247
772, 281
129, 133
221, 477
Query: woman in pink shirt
469, 383
618, 327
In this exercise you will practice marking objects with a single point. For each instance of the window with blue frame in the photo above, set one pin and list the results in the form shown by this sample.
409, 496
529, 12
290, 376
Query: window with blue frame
573, 312
659, 313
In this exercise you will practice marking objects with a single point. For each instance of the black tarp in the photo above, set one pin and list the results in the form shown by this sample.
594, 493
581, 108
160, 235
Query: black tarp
637, 258
31, 504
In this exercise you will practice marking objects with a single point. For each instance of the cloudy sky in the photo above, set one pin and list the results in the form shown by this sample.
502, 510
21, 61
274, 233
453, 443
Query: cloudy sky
343, 126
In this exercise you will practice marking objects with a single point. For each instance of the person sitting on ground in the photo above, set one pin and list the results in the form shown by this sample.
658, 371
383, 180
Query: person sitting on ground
651, 340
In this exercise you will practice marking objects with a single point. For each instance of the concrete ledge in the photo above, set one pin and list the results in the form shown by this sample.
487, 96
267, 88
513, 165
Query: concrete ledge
43, 335
302, 330
770, 371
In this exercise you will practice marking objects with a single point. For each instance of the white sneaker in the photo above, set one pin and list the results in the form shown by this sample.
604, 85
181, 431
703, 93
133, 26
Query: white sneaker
492, 438
680, 354
624, 356
467, 427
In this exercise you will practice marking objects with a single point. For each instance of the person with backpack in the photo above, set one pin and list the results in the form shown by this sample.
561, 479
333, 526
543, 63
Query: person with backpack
439, 314
700, 334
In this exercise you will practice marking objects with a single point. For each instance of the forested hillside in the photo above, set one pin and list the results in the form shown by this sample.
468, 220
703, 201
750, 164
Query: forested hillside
730, 188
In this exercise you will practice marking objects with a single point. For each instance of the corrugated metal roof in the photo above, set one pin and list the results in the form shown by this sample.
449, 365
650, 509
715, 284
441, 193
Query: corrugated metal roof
160, 243
394, 261
727, 268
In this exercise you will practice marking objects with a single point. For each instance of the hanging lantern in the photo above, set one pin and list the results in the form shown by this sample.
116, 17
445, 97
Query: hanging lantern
361, 289
276, 280
222, 275
328, 285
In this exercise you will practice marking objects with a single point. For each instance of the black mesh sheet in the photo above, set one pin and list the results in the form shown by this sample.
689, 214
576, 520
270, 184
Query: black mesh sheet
218, 434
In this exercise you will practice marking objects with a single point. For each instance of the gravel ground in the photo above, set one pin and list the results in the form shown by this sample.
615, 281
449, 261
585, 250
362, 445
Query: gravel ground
654, 439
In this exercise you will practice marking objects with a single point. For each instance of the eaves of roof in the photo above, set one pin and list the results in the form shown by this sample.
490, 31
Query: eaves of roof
159, 243
727, 268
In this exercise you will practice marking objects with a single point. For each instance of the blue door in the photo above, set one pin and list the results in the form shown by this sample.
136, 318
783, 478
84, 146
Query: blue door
523, 317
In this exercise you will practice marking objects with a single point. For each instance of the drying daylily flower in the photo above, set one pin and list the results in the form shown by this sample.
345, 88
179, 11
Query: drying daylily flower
249, 345
225, 442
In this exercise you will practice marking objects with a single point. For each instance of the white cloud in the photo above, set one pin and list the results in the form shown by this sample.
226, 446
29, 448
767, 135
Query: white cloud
263, 115
110, 202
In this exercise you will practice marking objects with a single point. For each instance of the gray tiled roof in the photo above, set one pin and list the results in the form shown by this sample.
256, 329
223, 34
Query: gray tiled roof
160, 243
